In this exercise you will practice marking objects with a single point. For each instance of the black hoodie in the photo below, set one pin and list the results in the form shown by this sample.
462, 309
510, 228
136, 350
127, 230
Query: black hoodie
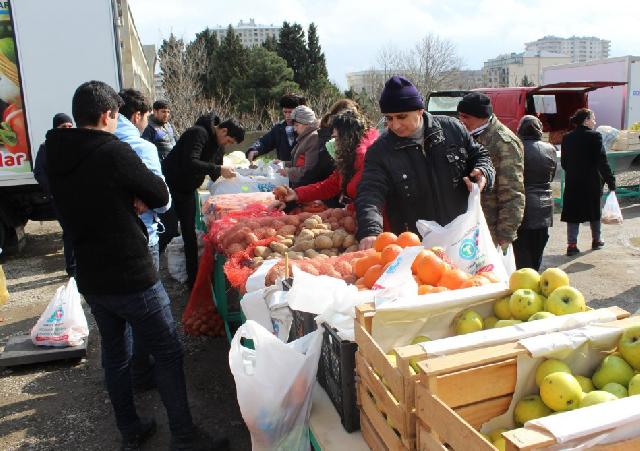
94, 178
195, 155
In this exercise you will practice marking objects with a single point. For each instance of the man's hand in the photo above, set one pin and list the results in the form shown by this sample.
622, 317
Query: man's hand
283, 172
227, 172
252, 154
504, 246
367, 243
139, 206
478, 177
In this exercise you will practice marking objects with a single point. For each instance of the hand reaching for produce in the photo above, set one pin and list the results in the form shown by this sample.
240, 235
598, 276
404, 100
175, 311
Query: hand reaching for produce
367, 243
285, 194
476, 176
139, 206
283, 172
252, 154
227, 172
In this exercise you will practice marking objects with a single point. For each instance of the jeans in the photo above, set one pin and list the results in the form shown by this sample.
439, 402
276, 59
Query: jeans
574, 227
152, 324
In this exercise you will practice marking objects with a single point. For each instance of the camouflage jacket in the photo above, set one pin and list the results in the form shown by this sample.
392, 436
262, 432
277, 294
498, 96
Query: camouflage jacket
503, 205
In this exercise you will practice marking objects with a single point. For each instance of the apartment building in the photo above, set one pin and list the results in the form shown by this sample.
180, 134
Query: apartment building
580, 49
250, 33
516, 69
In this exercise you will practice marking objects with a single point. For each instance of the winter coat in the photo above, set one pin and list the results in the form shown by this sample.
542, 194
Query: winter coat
94, 178
277, 139
40, 171
304, 155
332, 185
195, 155
127, 132
585, 164
163, 136
325, 164
539, 169
503, 206
418, 183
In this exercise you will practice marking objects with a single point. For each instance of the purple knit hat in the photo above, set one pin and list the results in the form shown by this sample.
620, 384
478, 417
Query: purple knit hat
399, 95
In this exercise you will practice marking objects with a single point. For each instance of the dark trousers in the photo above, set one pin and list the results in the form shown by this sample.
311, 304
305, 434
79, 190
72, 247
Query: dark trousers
67, 242
150, 319
529, 247
573, 228
183, 210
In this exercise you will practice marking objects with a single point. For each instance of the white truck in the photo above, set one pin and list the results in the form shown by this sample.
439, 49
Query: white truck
617, 106
47, 49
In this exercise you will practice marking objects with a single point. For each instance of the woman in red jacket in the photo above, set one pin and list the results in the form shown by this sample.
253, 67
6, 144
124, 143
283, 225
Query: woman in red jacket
353, 136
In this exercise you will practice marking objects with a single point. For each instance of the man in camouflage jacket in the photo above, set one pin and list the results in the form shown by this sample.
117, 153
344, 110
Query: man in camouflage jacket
503, 206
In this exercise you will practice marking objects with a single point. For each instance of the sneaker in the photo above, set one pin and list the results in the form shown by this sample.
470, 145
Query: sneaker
572, 250
199, 440
146, 429
595, 245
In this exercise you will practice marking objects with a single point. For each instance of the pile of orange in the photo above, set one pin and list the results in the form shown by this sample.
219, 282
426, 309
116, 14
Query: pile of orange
430, 269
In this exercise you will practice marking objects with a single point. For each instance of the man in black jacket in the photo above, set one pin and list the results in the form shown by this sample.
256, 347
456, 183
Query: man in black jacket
100, 185
198, 153
421, 168
281, 136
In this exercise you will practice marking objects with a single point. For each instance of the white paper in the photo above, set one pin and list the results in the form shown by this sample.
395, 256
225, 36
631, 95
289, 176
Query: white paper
257, 279
314, 294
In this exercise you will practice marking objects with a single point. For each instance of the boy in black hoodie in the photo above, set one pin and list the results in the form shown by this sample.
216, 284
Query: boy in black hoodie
100, 185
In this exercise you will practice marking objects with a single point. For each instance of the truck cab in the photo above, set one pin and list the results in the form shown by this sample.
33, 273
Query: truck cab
553, 104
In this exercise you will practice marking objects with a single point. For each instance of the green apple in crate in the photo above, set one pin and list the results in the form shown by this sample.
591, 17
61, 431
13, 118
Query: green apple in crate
616, 389
525, 278
529, 408
540, 315
552, 278
467, 321
612, 369
585, 383
596, 397
524, 303
561, 392
564, 301
550, 366
634, 385
629, 346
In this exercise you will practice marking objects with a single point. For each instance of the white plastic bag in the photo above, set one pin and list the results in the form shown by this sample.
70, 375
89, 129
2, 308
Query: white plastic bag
247, 184
274, 383
611, 213
466, 240
176, 261
63, 322
508, 259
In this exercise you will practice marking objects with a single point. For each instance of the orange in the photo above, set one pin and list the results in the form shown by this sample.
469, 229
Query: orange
453, 278
430, 268
489, 275
475, 281
390, 253
439, 289
414, 265
361, 265
372, 275
407, 239
425, 289
383, 240
360, 284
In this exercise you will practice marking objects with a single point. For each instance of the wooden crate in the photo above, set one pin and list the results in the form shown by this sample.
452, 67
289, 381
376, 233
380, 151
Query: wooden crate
528, 439
627, 140
458, 393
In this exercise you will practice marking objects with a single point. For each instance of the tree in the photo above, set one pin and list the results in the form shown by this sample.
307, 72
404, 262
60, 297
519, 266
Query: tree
267, 78
525, 81
316, 67
271, 44
209, 78
292, 47
230, 60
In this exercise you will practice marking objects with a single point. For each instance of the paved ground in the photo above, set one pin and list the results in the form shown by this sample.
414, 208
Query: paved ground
62, 405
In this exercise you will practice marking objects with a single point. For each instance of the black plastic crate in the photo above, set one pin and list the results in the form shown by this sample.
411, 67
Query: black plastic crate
303, 323
337, 375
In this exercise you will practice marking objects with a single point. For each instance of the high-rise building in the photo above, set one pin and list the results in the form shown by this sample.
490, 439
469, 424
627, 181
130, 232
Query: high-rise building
519, 69
580, 49
250, 33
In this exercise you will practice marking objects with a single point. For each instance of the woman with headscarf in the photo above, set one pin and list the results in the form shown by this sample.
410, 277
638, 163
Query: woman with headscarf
353, 136
304, 154
585, 164
539, 169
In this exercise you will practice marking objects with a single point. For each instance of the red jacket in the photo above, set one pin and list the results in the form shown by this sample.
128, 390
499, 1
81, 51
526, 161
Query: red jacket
332, 185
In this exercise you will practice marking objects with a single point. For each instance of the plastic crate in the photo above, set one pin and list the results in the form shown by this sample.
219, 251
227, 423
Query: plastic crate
336, 374
303, 323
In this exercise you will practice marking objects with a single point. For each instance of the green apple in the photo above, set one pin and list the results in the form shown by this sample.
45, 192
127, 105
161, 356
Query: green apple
489, 322
634, 385
550, 366
541, 315
413, 363
467, 321
629, 346
596, 397
506, 323
552, 278
393, 359
501, 308
496, 434
500, 443
561, 392
612, 369
525, 278
585, 383
529, 408
420, 339
565, 300
616, 389
524, 303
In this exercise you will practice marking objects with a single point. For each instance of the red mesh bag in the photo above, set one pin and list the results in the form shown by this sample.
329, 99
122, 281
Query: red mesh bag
200, 316
239, 266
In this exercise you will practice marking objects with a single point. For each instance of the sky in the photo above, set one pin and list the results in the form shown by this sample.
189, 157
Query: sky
353, 32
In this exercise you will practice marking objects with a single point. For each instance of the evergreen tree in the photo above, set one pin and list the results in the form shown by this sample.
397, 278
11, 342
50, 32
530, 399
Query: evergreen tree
209, 41
171, 55
292, 47
230, 60
271, 44
316, 66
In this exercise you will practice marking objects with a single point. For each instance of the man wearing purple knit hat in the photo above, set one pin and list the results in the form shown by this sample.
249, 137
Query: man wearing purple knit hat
422, 167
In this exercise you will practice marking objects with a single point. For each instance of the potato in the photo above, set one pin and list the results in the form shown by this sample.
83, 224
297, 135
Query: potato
329, 252
277, 224
302, 246
278, 247
311, 253
235, 248
287, 230
318, 232
317, 218
337, 239
323, 242
287, 242
353, 248
310, 223
306, 235
295, 255
251, 238
262, 251
257, 261
291, 220
289, 237
269, 231
349, 224
348, 241
322, 256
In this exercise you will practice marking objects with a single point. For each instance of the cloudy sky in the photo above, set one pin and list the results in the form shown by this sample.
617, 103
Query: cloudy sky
353, 31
